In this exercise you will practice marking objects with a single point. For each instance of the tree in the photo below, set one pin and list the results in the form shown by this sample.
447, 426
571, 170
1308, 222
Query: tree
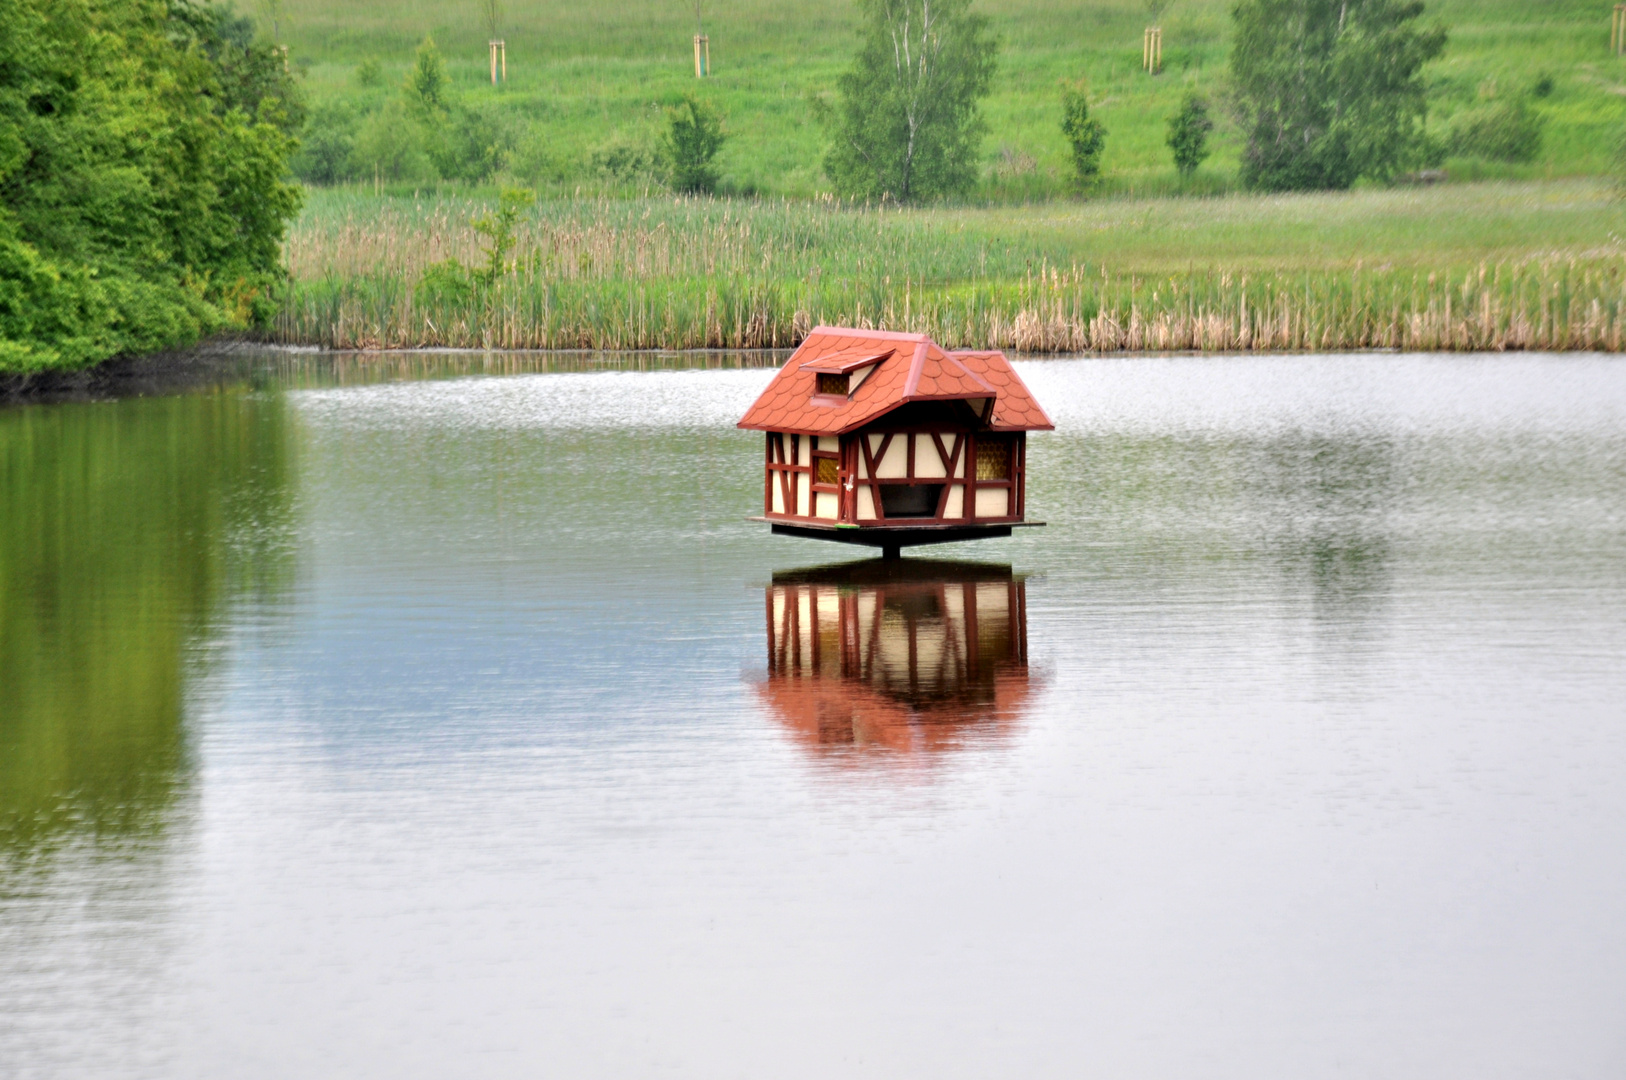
1329, 91
1188, 134
1084, 133
694, 134
908, 125
426, 82
143, 149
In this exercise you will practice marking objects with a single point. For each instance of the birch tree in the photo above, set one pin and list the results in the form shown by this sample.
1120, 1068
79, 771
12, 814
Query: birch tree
908, 125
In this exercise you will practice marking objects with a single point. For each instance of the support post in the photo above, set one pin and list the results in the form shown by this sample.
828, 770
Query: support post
702, 56
499, 59
1617, 31
891, 551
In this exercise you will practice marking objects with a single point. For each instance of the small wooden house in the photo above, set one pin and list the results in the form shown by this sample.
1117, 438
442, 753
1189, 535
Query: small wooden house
890, 440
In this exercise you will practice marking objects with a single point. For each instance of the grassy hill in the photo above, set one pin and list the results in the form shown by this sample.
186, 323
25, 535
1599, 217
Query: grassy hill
584, 77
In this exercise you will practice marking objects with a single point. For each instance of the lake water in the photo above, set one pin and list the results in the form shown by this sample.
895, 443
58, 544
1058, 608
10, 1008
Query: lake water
369, 722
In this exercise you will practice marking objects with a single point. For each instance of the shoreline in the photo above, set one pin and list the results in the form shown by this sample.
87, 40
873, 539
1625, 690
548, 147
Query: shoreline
234, 360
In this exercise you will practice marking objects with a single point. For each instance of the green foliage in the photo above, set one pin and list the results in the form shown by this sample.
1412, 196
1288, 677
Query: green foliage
1329, 91
498, 231
369, 73
426, 83
449, 283
470, 142
1085, 134
1500, 131
1188, 134
427, 132
328, 147
142, 153
694, 134
621, 161
908, 126
390, 146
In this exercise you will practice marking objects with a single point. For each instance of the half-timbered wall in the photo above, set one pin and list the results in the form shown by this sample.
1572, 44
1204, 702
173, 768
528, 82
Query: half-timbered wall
876, 477
796, 484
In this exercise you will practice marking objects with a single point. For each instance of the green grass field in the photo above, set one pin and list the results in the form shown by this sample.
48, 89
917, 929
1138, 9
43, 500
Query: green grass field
582, 77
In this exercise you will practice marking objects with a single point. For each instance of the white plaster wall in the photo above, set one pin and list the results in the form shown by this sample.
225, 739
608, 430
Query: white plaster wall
896, 462
955, 507
993, 502
804, 484
866, 504
778, 492
828, 505
927, 460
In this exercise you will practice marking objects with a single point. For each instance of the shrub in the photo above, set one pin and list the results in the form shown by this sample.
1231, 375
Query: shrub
694, 134
1508, 131
623, 161
390, 146
1188, 134
1084, 134
369, 73
471, 143
328, 146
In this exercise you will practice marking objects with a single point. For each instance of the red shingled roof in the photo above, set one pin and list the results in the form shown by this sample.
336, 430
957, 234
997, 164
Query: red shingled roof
911, 367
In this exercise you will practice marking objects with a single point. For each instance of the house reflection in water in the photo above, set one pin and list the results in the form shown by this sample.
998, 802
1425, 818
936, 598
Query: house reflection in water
907, 655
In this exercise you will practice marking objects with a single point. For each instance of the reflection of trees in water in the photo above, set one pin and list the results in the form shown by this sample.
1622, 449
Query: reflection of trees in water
1329, 496
909, 655
124, 528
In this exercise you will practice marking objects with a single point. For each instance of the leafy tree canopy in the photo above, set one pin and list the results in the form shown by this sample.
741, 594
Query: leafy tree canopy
908, 125
1188, 134
1084, 133
143, 146
694, 135
1329, 91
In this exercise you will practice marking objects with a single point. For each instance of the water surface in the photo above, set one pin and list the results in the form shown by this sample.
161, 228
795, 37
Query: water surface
422, 721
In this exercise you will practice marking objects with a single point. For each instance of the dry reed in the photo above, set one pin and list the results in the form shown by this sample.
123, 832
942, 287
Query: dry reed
605, 277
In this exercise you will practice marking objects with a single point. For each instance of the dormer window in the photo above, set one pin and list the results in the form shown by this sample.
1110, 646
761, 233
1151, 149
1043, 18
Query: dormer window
833, 384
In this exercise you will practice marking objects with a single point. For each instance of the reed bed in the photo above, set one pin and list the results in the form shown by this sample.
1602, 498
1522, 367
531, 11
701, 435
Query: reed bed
683, 274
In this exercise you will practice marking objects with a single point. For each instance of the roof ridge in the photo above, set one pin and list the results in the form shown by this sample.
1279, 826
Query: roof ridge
911, 384
853, 332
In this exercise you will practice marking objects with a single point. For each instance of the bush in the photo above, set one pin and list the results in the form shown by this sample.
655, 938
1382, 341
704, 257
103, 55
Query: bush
390, 146
328, 146
470, 143
1508, 131
1188, 134
623, 161
1084, 134
694, 134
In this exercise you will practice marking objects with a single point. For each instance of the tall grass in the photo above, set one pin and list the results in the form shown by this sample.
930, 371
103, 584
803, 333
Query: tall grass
714, 274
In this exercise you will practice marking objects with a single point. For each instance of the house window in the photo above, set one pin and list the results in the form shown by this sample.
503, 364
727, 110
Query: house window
993, 460
826, 470
832, 384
